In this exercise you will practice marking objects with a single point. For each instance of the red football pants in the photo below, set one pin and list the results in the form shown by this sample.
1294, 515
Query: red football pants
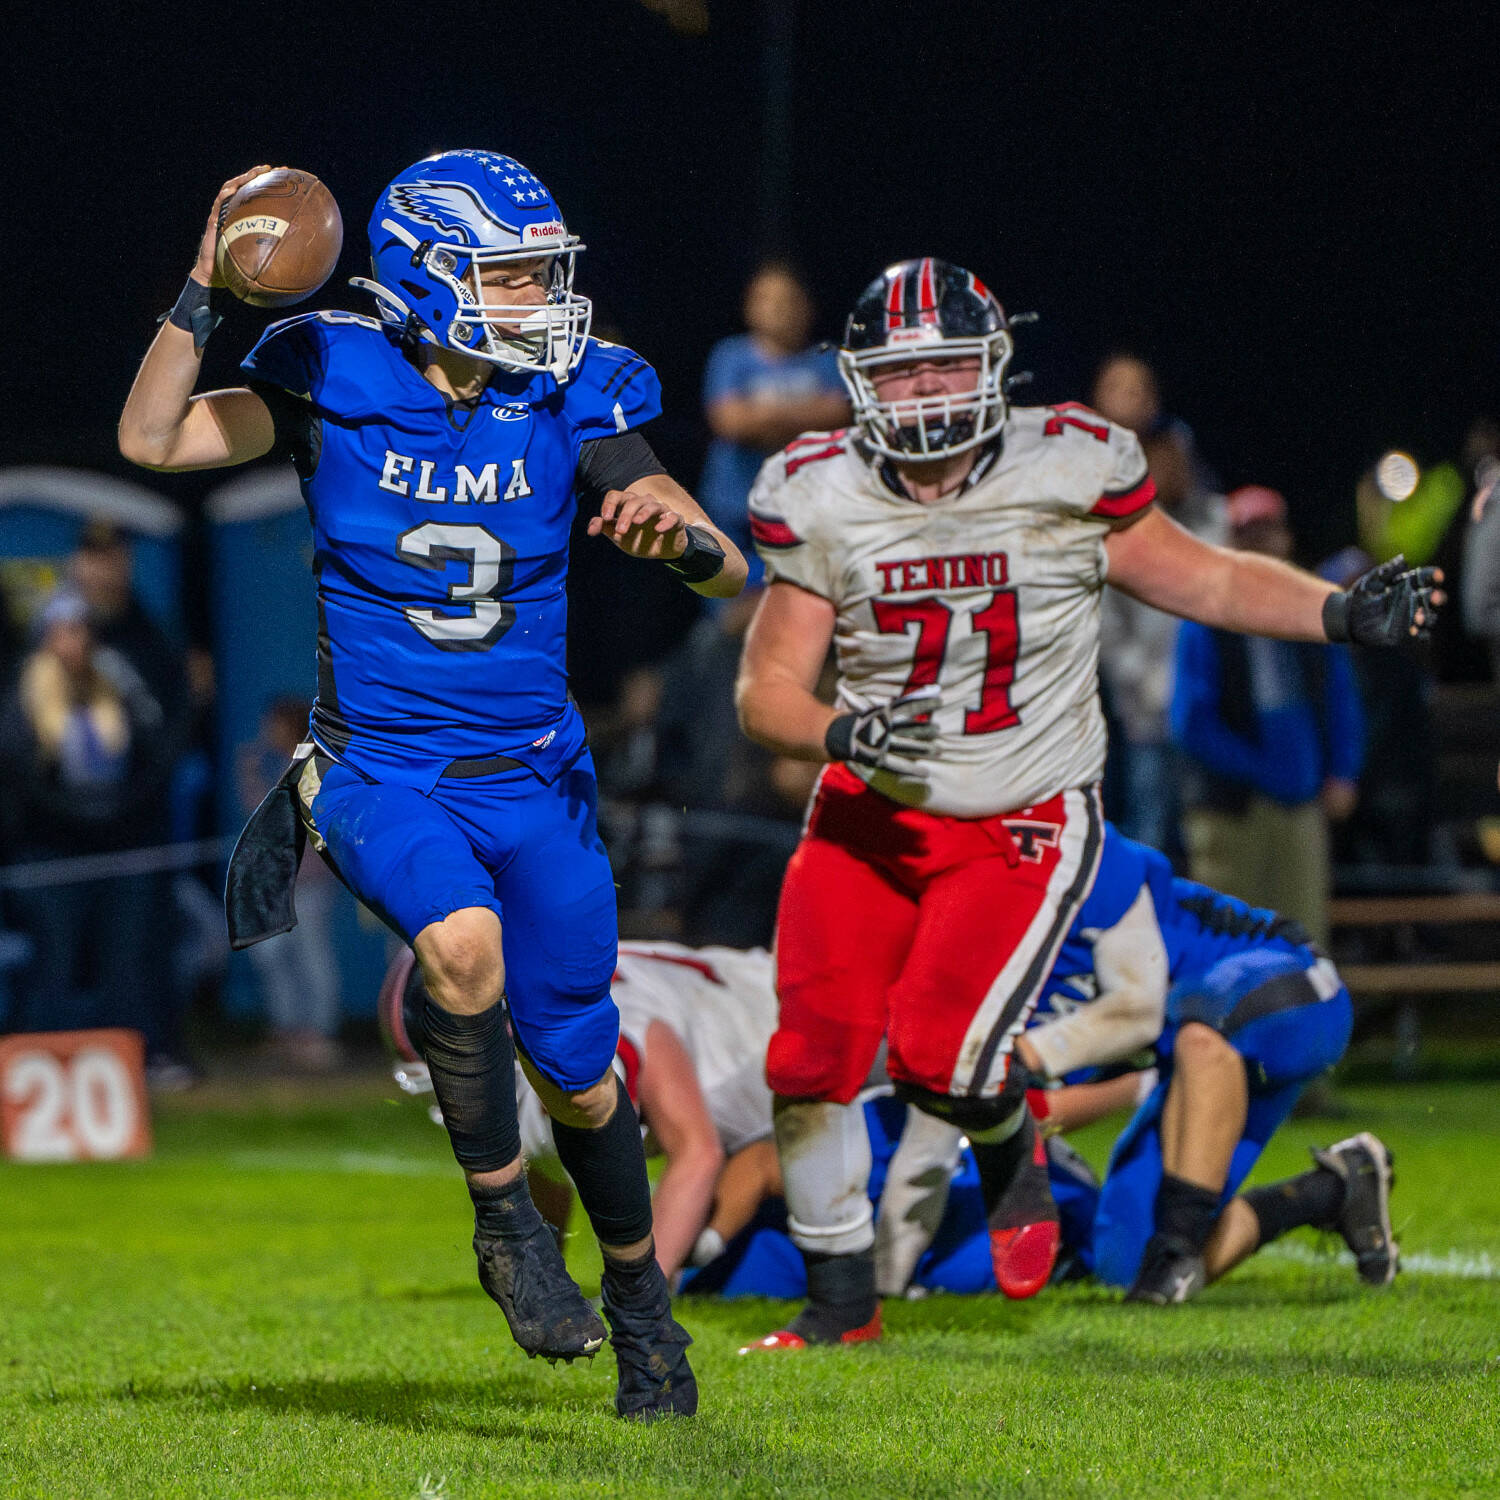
934, 932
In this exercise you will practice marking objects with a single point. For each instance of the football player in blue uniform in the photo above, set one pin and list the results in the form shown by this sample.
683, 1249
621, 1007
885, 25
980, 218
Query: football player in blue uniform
1227, 1012
443, 448
1243, 1012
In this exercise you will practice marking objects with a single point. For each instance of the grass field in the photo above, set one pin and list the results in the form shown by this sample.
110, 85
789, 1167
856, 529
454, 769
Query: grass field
282, 1302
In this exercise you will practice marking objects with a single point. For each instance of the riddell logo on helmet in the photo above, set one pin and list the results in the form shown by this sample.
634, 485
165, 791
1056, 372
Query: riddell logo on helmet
553, 229
926, 334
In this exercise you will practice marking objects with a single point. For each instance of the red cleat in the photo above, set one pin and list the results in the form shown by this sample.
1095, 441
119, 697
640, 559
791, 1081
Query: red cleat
1024, 1232
1023, 1257
784, 1338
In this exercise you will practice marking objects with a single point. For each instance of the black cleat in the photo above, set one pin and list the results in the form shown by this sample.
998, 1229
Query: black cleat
1364, 1220
546, 1312
650, 1345
1170, 1272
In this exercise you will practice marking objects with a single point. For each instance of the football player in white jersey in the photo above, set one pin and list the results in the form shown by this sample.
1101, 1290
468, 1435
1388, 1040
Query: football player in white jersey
694, 1024
954, 549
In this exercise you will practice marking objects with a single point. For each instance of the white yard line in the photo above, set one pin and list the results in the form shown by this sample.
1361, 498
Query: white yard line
1466, 1265
339, 1161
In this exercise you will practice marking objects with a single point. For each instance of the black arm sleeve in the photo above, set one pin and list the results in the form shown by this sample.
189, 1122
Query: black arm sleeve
299, 430
613, 463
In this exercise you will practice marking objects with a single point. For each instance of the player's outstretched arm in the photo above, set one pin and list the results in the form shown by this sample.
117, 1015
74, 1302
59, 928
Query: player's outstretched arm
164, 426
1159, 562
672, 1104
1126, 1015
747, 1179
1078, 1104
657, 519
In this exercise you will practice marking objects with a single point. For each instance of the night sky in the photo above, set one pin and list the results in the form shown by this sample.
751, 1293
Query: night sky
1291, 217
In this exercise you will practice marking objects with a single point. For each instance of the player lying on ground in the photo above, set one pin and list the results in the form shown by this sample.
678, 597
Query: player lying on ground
955, 549
694, 1024
1241, 1013
443, 449
694, 1029
692, 1021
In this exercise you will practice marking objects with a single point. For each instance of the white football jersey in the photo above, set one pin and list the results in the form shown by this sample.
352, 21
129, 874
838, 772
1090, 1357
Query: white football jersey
991, 593
721, 1003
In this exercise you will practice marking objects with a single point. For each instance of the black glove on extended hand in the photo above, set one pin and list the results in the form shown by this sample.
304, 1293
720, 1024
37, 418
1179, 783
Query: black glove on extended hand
1380, 609
896, 736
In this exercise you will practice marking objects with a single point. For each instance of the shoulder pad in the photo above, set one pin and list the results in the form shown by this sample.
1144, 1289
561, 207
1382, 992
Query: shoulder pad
793, 526
612, 391
345, 364
801, 457
1108, 466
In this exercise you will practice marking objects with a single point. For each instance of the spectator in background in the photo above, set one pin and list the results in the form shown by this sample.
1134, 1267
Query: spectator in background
730, 882
672, 763
101, 570
298, 971
1136, 641
760, 390
1275, 732
84, 766
1397, 812
1479, 592
1481, 575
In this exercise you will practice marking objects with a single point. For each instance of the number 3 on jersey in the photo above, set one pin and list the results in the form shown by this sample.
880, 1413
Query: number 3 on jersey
997, 620
492, 566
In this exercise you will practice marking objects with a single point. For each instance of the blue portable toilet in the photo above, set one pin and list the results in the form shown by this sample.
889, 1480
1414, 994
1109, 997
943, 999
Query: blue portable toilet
43, 512
265, 627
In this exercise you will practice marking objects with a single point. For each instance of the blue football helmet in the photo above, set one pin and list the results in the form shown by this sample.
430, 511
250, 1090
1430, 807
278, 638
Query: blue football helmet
435, 230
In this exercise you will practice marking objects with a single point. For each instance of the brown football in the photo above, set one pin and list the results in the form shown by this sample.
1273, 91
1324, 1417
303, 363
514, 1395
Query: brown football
279, 238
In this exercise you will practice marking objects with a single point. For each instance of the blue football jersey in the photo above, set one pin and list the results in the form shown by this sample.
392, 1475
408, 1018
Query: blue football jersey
440, 545
1199, 926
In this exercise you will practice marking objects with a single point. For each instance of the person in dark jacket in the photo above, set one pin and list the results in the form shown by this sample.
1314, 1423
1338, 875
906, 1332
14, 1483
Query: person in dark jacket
1275, 735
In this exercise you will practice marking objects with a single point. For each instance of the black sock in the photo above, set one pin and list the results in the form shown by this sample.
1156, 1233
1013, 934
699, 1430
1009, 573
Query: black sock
1313, 1198
505, 1213
608, 1167
999, 1161
840, 1294
637, 1283
473, 1066
1185, 1212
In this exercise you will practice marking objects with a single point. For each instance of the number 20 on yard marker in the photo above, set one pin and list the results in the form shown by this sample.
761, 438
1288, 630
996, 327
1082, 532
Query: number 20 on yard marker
74, 1096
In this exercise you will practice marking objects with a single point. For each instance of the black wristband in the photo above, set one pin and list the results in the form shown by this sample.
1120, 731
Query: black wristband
838, 738
193, 312
702, 558
1336, 616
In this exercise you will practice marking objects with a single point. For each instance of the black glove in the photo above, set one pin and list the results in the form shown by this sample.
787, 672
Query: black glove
896, 736
1380, 609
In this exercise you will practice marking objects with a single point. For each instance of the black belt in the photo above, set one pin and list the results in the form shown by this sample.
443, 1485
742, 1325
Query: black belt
463, 770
